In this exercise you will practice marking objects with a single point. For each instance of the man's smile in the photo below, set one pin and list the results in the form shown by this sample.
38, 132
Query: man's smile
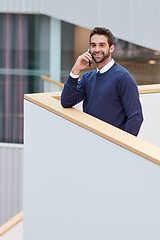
98, 54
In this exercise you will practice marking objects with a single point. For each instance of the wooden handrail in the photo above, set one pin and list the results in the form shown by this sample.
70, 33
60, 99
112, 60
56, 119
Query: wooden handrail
52, 81
11, 223
134, 144
151, 88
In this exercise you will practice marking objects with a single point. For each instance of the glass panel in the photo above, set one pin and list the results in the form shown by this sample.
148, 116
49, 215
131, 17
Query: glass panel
67, 49
24, 57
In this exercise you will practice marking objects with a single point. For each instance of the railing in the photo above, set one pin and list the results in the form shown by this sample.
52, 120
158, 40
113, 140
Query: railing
51, 85
144, 133
127, 141
11, 223
52, 81
123, 139
152, 88
101, 180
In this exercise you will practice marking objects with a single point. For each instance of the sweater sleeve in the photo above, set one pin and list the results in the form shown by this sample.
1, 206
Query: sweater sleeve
73, 92
131, 103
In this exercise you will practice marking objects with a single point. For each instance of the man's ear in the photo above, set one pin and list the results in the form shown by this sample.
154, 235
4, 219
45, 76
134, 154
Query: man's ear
112, 48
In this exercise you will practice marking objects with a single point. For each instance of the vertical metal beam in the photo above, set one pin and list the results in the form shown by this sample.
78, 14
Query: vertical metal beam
55, 49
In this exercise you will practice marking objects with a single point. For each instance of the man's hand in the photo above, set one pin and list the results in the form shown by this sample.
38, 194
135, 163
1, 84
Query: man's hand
82, 63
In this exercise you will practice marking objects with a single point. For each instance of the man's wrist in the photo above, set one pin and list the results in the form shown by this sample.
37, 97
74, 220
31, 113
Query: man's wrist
75, 70
74, 75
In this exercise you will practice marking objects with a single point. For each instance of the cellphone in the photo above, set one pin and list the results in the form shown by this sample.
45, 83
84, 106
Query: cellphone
89, 60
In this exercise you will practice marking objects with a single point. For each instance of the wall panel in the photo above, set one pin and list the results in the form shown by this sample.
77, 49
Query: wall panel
11, 180
78, 185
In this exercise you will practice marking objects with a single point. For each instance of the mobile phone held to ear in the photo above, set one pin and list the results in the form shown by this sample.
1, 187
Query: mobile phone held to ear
89, 60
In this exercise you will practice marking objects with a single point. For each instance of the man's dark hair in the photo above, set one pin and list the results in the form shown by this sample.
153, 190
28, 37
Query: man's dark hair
105, 32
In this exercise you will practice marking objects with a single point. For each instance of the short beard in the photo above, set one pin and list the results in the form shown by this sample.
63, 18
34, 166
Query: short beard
104, 57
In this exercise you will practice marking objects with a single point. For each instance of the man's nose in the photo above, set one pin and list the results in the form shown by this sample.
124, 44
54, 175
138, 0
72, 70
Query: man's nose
97, 48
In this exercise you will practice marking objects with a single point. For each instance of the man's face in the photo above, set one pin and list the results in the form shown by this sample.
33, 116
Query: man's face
100, 49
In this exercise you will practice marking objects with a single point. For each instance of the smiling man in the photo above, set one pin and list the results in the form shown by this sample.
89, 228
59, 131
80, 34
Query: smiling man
109, 93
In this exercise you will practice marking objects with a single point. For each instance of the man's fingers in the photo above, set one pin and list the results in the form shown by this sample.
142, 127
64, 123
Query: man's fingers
88, 56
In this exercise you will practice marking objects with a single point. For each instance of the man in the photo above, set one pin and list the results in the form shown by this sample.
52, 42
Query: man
110, 93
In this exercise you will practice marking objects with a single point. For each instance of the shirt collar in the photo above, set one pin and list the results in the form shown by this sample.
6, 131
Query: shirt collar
106, 67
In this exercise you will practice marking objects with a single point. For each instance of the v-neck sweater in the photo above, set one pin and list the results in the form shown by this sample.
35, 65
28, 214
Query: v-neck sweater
111, 96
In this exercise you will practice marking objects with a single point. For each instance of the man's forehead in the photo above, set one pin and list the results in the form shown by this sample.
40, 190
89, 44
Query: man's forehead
99, 39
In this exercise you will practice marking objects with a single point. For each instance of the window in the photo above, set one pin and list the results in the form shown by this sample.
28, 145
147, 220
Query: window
24, 57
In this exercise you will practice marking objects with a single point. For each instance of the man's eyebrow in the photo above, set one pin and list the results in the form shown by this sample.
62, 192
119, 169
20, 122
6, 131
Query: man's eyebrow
98, 42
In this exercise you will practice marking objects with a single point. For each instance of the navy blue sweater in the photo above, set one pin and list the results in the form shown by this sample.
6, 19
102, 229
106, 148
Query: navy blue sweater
111, 96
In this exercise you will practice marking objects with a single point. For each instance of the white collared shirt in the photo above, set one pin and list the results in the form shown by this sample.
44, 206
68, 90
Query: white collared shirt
106, 67
103, 70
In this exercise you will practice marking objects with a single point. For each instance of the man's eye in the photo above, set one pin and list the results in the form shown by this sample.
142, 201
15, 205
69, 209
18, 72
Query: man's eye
102, 45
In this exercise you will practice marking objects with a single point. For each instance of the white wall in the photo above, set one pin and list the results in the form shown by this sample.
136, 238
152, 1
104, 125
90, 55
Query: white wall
150, 130
77, 185
132, 20
15, 233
